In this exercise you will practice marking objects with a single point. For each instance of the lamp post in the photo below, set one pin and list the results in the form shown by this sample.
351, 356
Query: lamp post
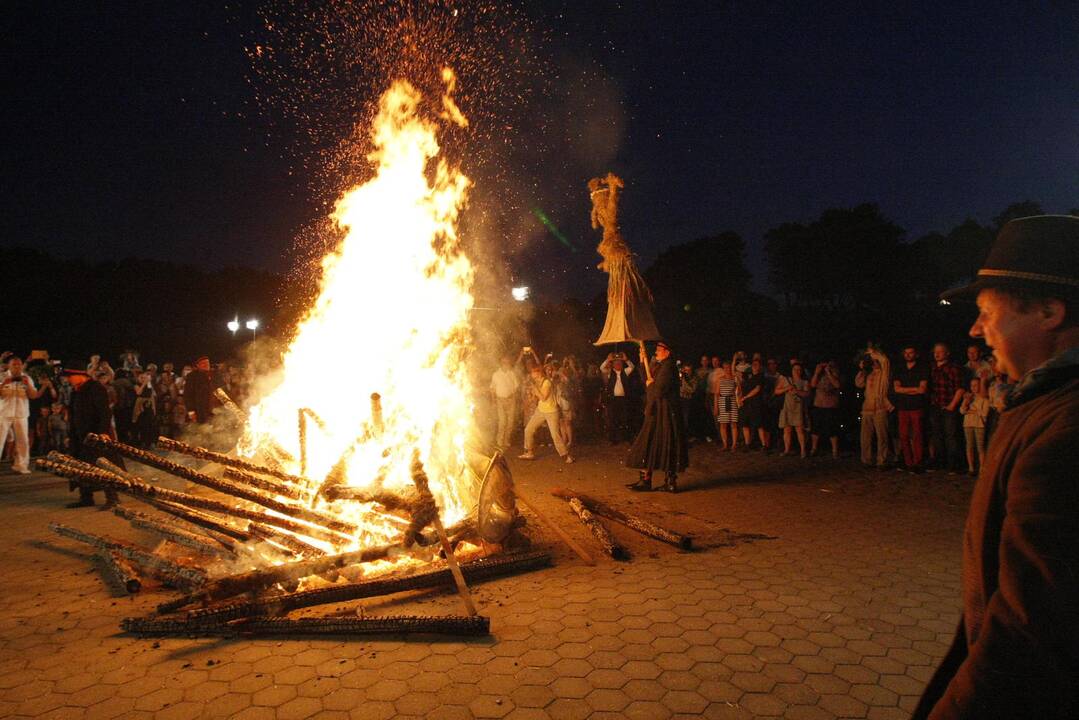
233, 325
253, 326
521, 293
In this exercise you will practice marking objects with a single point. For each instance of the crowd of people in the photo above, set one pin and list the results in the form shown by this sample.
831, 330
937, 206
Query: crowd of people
45, 406
902, 412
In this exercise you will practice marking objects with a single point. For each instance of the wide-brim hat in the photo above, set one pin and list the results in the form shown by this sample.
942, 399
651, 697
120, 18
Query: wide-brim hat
1038, 254
663, 344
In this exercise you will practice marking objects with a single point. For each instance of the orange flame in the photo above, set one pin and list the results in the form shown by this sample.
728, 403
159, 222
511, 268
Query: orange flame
392, 317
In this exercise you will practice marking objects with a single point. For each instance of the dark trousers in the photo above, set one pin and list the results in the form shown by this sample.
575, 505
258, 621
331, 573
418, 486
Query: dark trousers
617, 418
912, 436
944, 438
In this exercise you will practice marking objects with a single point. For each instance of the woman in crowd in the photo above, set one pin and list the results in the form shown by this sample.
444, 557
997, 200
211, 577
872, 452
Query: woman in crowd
794, 414
825, 414
144, 414
568, 387
975, 410
726, 408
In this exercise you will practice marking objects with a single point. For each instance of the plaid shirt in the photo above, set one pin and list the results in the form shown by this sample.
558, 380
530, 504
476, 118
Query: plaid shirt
946, 380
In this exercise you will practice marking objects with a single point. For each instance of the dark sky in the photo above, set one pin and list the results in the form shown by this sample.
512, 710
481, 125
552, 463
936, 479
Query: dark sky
129, 129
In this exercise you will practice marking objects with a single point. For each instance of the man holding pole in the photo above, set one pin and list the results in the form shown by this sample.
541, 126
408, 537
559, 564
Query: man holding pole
661, 443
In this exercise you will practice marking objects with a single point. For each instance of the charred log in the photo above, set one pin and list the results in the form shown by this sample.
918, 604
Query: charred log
173, 534
170, 571
201, 453
391, 624
227, 488
120, 570
475, 571
633, 522
130, 486
599, 531
256, 580
271, 486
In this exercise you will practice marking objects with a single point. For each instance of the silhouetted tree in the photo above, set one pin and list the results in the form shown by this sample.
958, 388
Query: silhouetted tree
1017, 210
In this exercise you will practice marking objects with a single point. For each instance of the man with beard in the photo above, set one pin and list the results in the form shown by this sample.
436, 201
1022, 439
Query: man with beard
1016, 651
661, 443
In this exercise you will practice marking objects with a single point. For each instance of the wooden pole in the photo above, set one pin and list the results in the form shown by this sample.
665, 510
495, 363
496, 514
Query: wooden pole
555, 528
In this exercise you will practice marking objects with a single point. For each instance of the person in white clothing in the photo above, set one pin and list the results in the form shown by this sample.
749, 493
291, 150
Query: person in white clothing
975, 411
17, 389
504, 387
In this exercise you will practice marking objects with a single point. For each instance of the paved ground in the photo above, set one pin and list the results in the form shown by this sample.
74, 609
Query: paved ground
822, 591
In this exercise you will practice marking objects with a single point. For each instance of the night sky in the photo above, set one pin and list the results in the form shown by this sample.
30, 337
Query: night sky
137, 130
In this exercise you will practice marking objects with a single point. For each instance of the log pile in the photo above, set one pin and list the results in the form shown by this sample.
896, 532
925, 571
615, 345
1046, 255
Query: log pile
239, 553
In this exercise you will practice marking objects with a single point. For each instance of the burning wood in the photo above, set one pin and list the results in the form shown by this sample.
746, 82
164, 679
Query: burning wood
391, 624
601, 533
182, 576
227, 488
219, 531
290, 542
120, 570
152, 493
633, 522
475, 571
277, 488
405, 501
233, 585
419, 477
201, 453
172, 534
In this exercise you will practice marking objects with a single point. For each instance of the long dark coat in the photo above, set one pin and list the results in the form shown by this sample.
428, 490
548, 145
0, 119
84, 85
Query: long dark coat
90, 413
197, 394
1016, 652
661, 443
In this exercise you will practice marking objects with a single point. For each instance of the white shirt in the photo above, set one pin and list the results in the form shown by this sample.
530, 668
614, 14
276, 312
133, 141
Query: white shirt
14, 400
504, 383
618, 390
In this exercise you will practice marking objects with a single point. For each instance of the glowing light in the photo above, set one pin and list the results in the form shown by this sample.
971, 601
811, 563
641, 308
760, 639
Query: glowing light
252, 325
522, 293
233, 325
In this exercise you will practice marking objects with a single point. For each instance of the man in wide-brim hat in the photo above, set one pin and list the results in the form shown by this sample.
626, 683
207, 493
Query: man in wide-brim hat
1016, 652
661, 443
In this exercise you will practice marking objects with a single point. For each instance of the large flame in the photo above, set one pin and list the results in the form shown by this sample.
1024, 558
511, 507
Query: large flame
391, 318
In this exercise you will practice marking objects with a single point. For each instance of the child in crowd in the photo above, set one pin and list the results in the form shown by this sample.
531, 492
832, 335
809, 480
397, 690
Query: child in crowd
58, 427
975, 410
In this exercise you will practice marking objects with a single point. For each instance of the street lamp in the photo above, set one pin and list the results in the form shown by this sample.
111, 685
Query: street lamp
520, 294
253, 326
233, 325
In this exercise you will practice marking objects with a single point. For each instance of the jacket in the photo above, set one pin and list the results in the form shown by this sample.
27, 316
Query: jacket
1016, 652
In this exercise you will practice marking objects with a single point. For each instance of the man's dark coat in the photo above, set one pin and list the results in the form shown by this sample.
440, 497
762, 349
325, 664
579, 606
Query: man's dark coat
661, 443
1016, 653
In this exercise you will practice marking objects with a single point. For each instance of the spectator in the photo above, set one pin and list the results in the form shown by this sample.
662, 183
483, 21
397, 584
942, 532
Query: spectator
123, 388
999, 387
911, 388
504, 388
568, 387
712, 389
41, 430
975, 411
978, 367
58, 427
91, 412
945, 394
617, 370
752, 407
702, 404
687, 394
794, 413
873, 376
546, 412
198, 391
592, 399
725, 408
17, 389
826, 383
144, 412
